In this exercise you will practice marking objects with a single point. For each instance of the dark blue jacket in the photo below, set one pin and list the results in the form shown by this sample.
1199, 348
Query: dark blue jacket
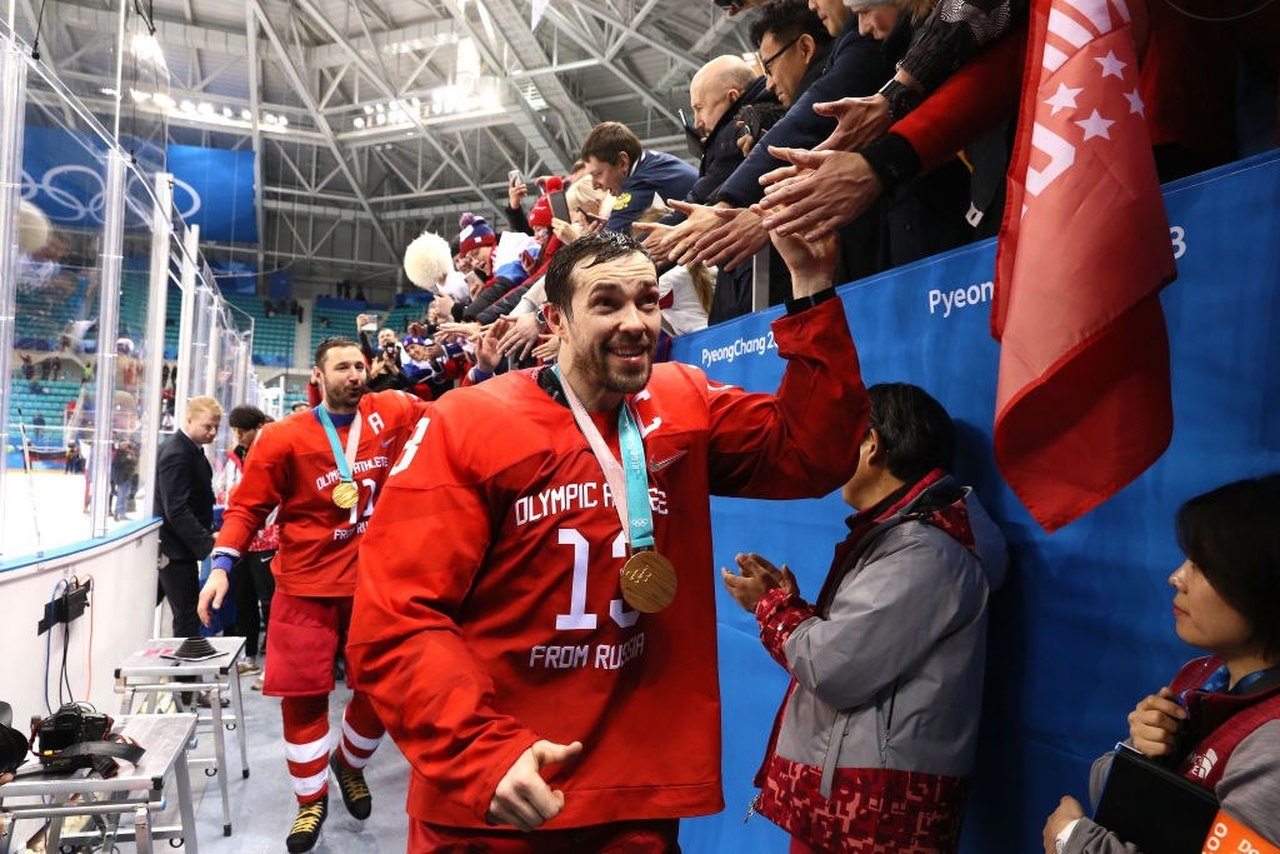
855, 67
722, 154
657, 171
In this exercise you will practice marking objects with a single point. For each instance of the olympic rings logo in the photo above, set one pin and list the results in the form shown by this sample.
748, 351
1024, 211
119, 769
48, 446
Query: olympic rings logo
74, 194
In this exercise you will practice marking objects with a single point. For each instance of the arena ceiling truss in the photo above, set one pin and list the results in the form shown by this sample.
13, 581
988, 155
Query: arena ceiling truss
376, 120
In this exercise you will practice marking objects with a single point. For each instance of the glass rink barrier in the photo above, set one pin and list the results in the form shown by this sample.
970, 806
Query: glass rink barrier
110, 319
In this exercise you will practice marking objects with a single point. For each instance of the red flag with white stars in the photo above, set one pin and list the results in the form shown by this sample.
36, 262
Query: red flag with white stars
1083, 403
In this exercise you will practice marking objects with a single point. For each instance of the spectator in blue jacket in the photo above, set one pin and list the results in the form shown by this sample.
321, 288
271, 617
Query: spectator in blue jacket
616, 162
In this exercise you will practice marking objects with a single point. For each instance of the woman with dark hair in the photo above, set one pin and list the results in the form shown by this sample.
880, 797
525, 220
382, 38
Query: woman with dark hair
1218, 722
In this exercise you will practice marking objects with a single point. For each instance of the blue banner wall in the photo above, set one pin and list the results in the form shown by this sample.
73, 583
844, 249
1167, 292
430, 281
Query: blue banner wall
214, 189
63, 173
1082, 628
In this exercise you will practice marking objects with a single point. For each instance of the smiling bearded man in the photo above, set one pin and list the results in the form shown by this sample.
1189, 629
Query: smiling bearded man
537, 588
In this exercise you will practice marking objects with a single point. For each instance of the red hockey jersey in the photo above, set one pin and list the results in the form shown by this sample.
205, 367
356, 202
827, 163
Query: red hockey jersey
488, 611
292, 466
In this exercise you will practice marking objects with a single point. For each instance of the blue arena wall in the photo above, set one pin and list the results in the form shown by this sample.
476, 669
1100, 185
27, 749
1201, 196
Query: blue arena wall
1082, 628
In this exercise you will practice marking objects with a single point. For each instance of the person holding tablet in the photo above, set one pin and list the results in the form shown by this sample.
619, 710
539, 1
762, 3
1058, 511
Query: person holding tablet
1217, 723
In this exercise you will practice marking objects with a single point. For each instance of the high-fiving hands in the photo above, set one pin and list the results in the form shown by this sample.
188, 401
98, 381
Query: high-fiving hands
859, 122
820, 192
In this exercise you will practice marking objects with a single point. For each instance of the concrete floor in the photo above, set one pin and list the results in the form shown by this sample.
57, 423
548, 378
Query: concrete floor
263, 806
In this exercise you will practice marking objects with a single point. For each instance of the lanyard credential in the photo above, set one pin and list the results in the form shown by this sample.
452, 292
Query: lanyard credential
648, 579
345, 492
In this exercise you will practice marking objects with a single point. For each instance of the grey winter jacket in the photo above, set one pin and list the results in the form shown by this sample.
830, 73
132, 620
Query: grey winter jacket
892, 678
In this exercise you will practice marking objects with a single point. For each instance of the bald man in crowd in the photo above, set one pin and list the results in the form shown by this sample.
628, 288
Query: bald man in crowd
718, 93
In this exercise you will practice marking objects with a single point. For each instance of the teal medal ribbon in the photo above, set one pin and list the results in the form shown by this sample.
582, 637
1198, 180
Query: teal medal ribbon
648, 579
640, 523
345, 494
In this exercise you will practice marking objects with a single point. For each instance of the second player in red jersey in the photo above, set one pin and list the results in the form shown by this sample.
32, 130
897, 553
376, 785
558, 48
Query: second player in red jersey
324, 468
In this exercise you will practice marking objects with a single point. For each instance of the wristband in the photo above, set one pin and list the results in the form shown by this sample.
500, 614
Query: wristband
901, 97
796, 305
223, 562
893, 159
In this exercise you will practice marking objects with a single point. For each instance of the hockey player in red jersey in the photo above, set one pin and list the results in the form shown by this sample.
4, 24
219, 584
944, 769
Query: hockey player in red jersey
534, 615
324, 467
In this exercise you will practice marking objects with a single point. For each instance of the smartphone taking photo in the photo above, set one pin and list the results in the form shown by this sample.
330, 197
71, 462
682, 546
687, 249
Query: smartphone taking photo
559, 205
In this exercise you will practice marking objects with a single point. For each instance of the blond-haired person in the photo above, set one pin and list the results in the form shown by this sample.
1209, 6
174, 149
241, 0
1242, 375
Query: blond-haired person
184, 500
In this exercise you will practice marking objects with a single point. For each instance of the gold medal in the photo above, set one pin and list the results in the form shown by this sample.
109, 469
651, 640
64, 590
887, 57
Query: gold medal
648, 582
346, 494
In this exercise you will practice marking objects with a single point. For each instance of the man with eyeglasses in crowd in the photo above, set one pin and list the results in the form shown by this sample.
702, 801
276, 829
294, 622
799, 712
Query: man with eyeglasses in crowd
853, 66
792, 45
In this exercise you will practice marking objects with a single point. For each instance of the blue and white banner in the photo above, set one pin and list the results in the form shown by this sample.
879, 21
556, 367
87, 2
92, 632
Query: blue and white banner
215, 190
1082, 629
64, 174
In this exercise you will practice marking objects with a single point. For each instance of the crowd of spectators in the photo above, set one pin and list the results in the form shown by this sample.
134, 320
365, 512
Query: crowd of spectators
282, 306
888, 122
884, 128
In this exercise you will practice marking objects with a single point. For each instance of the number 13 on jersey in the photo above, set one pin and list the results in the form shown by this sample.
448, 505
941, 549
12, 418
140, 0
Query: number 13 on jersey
578, 617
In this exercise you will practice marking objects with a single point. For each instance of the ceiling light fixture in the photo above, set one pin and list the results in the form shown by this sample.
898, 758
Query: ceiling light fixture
146, 47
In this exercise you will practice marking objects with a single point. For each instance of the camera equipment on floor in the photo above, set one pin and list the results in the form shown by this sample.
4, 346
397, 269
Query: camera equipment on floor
13, 744
79, 736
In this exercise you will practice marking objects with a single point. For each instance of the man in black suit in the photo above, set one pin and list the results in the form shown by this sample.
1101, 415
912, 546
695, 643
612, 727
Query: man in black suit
184, 499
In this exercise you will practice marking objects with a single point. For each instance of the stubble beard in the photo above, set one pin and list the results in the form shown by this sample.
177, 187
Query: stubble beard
340, 395
625, 380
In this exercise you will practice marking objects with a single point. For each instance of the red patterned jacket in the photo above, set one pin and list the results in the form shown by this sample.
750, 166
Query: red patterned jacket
267, 538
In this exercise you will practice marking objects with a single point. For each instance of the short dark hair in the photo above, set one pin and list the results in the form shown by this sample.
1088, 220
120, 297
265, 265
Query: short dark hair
608, 140
245, 417
331, 343
787, 20
915, 430
1230, 534
596, 248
